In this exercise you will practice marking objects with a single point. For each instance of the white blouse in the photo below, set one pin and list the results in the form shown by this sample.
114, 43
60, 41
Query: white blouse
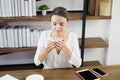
60, 60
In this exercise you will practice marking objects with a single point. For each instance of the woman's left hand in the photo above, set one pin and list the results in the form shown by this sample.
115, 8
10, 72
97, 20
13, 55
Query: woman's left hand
61, 45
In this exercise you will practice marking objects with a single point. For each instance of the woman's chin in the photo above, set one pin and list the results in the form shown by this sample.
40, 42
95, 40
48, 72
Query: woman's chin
59, 33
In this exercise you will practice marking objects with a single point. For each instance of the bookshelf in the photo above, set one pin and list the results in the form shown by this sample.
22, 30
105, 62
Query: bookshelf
93, 42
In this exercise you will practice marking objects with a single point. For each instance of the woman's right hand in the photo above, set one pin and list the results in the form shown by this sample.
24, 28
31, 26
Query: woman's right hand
46, 51
50, 46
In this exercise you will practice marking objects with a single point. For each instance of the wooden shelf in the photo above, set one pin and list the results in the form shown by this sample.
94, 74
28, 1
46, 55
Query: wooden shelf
39, 17
92, 63
96, 42
98, 17
2, 22
8, 50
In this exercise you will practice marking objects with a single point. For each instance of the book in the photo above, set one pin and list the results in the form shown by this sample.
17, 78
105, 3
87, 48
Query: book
10, 5
22, 7
3, 8
93, 7
16, 8
97, 7
12, 37
8, 30
30, 8
0, 9
28, 36
20, 40
35, 37
24, 36
19, 8
1, 38
34, 8
5, 40
13, 8
32, 37
16, 38
26, 8
105, 7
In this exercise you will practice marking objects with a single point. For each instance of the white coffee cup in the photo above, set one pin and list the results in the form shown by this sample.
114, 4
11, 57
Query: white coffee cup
35, 77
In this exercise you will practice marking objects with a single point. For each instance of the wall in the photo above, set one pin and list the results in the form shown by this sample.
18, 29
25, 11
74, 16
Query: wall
76, 5
113, 56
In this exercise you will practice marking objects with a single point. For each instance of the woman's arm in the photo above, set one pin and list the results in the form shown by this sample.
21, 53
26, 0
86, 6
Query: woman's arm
40, 48
73, 54
42, 51
76, 56
43, 55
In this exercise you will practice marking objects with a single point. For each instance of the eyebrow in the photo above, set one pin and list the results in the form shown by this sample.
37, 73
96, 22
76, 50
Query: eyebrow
56, 22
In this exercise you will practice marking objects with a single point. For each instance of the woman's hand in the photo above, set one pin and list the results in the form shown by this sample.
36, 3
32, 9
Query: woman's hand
50, 46
46, 51
61, 45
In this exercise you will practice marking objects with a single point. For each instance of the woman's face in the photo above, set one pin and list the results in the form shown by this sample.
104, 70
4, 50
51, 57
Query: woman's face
59, 24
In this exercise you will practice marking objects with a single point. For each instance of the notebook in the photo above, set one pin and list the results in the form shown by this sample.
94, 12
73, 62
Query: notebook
8, 77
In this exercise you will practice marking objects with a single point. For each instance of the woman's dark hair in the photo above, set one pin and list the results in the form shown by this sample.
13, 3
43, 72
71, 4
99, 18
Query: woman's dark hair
61, 11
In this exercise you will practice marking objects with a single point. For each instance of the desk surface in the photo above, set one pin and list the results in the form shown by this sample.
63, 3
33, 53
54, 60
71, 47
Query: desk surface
64, 74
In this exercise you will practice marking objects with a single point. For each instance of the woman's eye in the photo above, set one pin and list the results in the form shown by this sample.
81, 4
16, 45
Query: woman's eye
54, 24
61, 24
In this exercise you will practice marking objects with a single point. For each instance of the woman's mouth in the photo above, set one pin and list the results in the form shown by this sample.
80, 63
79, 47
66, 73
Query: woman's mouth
58, 31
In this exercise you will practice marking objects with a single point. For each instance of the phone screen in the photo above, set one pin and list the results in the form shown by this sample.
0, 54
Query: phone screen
100, 71
87, 75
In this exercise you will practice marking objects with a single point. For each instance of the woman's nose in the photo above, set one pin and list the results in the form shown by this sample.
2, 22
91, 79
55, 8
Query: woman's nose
58, 26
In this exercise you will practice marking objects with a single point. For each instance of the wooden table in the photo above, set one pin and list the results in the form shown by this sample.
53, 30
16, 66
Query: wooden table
64, 74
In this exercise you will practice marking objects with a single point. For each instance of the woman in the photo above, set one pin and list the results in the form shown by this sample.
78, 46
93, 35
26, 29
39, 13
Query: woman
58, 48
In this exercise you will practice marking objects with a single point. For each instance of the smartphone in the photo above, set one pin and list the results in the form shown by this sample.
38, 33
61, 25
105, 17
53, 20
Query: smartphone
99, 72
86, 74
